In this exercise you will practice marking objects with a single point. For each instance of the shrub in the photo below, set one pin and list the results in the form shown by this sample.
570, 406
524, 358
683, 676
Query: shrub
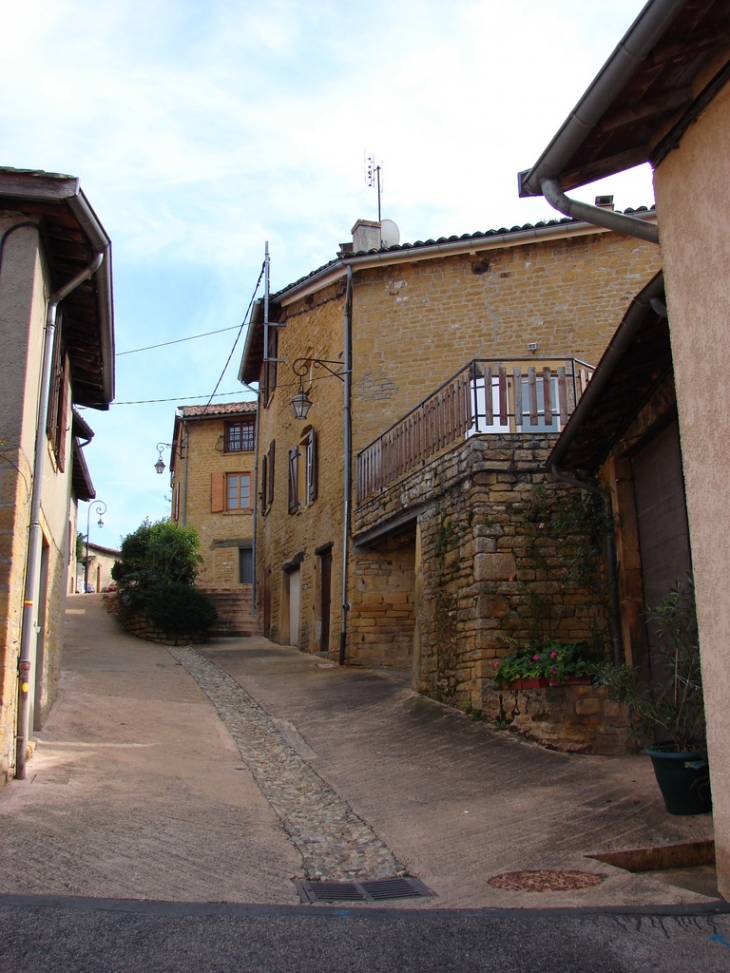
158, 553
673, 704
173, 606
156, 574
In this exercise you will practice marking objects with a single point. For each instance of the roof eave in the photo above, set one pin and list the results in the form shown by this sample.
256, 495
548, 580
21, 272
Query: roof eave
641, 37
29, 186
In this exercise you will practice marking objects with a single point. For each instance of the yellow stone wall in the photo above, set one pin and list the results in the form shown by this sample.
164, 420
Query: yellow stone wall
205, 457
414, 325
318, 333
417, 324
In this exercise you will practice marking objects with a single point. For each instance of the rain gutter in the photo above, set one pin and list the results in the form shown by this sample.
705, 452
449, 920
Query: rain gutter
643, 35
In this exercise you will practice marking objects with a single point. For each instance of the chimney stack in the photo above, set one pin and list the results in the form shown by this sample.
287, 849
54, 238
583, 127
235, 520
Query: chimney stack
366, 236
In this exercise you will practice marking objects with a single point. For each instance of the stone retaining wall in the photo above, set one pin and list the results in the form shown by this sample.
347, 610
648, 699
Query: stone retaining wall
143, 628
576, 719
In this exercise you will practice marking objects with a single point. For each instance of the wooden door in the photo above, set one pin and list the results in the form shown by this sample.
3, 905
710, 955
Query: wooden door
661, 513
326, 600
295, 590
267, 603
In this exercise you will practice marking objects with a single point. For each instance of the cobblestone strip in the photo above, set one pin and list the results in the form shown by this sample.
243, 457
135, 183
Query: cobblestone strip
334, 842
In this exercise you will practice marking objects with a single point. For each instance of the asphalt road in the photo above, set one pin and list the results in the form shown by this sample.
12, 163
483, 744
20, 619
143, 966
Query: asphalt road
95, 936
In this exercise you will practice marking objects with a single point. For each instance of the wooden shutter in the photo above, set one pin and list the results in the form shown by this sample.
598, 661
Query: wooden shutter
176, 503
217, 492
62, 421
272, 457
312, 466
293, 479
264, 482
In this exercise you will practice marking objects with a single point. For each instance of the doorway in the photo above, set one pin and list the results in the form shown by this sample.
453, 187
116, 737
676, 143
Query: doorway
295, 592
325, 598
267, 603
661, 514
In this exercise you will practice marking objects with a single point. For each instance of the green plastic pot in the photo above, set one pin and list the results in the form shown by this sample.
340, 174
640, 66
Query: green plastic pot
684, 780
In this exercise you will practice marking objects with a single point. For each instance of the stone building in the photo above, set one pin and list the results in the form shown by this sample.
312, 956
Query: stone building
212, 475
663, 98
56, 323
451, 347
100, 563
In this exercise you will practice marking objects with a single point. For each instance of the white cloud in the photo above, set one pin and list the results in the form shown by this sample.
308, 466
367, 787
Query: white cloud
201, 129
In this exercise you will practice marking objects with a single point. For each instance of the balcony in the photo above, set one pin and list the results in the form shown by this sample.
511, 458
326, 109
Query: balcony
487, 397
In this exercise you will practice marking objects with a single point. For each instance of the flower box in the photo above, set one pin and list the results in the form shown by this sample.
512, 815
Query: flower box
527, 683
571, 681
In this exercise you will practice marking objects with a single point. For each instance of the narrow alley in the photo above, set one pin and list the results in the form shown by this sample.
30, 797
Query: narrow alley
226, 772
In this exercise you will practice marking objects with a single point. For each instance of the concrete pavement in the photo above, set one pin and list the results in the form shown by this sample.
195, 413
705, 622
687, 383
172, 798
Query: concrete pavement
137, 790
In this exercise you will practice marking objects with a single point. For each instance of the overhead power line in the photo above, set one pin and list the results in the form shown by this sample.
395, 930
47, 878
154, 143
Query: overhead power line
177, 341
176, 398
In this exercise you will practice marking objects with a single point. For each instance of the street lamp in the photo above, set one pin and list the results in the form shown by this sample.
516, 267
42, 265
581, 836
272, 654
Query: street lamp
160, 464
301, 403
99, 508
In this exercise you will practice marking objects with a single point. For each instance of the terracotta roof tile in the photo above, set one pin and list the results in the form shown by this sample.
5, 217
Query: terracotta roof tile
221, 409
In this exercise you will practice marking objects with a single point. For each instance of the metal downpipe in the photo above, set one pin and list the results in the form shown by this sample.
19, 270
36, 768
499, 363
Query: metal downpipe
347, 487
618, 654
32, 561
618, 222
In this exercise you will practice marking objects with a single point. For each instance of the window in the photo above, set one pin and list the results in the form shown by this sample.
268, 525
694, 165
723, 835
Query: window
239, 436
245, 565
230, 491
238, 491
543, 408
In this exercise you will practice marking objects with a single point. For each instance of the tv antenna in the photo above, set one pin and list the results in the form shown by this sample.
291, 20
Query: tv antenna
373, 170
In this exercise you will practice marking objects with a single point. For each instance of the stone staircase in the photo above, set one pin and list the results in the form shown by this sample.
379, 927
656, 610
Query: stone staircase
234, 610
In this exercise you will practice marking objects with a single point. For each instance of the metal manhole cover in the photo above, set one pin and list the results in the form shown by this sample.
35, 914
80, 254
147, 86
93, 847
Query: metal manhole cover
375, 890
544, 880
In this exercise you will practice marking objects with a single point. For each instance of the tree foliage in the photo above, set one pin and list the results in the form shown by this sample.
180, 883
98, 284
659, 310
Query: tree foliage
674, 702
156, 574
157, 553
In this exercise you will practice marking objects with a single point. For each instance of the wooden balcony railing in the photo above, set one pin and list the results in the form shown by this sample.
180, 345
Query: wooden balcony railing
485, 397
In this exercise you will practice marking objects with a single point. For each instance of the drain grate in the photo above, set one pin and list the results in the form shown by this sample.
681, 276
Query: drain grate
545, 880
375, 890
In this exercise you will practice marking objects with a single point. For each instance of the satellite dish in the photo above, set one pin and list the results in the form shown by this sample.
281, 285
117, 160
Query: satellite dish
389, 234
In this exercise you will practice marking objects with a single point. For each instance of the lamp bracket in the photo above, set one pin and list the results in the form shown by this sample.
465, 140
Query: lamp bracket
301, 366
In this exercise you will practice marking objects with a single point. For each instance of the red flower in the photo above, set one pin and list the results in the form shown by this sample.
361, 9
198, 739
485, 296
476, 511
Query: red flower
536, 658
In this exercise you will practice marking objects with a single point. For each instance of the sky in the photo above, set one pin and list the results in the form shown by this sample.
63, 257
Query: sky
202, 128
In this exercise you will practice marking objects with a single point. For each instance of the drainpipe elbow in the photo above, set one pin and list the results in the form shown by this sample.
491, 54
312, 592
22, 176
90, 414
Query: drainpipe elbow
618, 222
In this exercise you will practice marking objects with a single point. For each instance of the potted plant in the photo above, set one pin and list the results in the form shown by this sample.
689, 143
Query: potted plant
672, 706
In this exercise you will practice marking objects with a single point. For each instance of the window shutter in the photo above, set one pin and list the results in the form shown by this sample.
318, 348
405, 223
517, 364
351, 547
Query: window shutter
264, 482
62, 427
293, 479
312, 466
272, 455
176, 503
217, 492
